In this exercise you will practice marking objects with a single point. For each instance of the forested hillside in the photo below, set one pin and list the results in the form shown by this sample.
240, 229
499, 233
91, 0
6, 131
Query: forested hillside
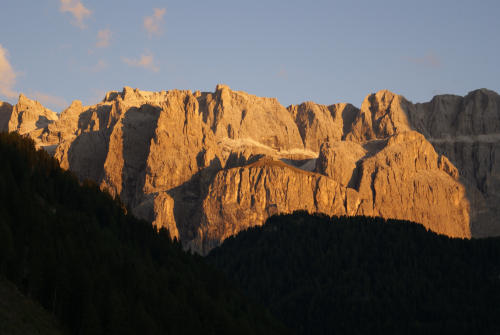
359, 275
22, 316
73, 249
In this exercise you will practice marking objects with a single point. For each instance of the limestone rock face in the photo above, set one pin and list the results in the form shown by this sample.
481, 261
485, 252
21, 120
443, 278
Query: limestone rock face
464, 130
316, 124
338, 160
5, 113
128, 149
238, 115
475, 114
182, 144
398, 178
206, 165
319, 123
66, 127
29, 115
83, 133
381, 115
467, 130
404, 180
242, 197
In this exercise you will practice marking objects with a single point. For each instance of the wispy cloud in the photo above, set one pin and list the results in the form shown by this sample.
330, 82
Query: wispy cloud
101, 65
49, 100
429, 60
103, 38
145, 61
282, 73
152, 23
7, 75
77, 9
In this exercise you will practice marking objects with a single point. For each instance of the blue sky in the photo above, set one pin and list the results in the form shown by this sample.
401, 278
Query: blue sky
325, 51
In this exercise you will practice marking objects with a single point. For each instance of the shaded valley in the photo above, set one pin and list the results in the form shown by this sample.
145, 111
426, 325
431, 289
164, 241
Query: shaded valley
359, 275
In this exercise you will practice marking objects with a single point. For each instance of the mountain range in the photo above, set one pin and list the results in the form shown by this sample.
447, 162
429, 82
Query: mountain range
206, 165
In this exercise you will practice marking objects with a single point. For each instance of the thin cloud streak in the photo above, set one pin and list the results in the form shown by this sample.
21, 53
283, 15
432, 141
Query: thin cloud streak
100, 66
7, 75
429, 60
146, 61
77, 9
152, 23
282, 73
103, 38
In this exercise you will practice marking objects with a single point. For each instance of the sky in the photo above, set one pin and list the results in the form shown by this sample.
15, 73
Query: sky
56, 51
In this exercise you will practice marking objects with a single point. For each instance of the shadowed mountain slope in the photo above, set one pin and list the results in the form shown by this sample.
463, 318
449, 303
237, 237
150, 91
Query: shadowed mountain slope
359, 275
73, 249
22, 316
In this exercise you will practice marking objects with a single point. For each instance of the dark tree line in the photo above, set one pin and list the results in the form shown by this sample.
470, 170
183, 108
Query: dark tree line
360, 275
72, 248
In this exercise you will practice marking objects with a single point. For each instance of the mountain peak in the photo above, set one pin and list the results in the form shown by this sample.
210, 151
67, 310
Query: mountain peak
221, 87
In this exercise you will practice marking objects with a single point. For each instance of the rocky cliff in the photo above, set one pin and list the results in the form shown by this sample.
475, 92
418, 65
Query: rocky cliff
207, 165
400, 177
467, 130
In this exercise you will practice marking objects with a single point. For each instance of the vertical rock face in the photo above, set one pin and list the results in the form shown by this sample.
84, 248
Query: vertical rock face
404, 180
467, 130
27, 117
319, 123
5, 114
339, 160
242, 197
381, 115
182, 144
316, 124
65, 128
475, 114
236, 115
207, 165
128, 150
83, 134
400, 177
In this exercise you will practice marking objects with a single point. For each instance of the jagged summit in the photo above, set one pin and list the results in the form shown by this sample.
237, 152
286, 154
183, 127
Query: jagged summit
26, 117
204, 164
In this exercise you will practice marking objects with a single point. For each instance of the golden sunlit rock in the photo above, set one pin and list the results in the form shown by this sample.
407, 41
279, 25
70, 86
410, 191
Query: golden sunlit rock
207, 165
